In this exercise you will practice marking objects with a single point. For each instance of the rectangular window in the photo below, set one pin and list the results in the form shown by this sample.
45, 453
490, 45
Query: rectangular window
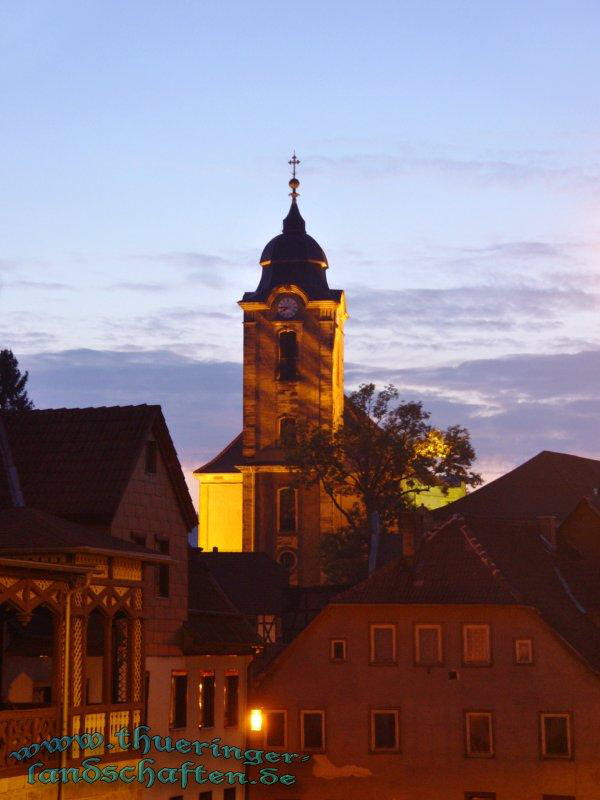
229, 794
312, 730
151, 459
275, 727
287, 516
205, 796
288, 356
480, 795
556, 735
232, 687
478, 727
178, 715
337, 649
384, 730
523, 651
267, 627
162, 571
138, 538
383, 644
476, 645
206, 700
428, 644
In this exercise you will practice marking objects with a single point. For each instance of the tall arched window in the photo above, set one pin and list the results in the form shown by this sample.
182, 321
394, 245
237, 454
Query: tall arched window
287, 431
94, 657
120, 658
288, 356
287, 510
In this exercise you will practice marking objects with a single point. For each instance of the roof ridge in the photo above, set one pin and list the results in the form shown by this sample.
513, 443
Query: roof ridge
488, 561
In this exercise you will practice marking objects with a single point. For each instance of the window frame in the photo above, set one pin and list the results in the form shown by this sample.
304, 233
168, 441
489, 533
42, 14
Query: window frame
387, 625
271, 746
372, 746
488, 628
232, 721
293, 531
303, 713
552, 757
178, 673
515, 651
287, 365
344, 643
440, 644
485, 713
201, 709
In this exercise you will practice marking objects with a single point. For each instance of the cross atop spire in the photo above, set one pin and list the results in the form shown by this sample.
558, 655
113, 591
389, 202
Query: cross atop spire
294, 182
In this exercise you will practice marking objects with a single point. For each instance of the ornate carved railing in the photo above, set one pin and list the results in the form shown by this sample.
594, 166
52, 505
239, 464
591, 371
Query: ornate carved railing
19, 728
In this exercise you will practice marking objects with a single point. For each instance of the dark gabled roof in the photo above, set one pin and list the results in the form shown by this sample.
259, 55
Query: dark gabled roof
489, 561
28, 530
76, 462
214, 624
253, 582
227, 460
449, 570
549, 484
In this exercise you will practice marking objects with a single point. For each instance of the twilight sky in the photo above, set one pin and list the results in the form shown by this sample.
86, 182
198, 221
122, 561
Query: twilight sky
450, 170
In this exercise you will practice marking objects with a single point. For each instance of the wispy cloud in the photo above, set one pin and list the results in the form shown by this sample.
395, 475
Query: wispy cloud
514, 172
132, 286
513, 407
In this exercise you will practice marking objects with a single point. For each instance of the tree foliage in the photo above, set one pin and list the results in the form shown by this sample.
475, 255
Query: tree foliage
380, 460
13, 395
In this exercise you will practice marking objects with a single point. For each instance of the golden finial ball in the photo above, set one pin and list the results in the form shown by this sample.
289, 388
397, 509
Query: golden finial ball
294, 183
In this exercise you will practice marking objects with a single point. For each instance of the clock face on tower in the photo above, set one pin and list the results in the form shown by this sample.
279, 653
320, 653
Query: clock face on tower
287, 307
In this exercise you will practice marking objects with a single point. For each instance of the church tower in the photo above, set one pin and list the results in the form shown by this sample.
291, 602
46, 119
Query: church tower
293, 370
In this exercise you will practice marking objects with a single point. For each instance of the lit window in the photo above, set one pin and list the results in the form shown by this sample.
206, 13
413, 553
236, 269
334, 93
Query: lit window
288, 356
556, 735
383, 644
479, 734
476, 644
337, 650
178, 715
267, 627
206, 699
312, 730
428, 644
384, 730
287, 510
275, 728
524, 651
232, 687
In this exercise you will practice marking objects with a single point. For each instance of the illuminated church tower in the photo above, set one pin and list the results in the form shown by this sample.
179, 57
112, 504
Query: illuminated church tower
293, 370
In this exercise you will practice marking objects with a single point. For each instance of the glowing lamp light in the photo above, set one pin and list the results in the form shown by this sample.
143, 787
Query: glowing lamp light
256, 719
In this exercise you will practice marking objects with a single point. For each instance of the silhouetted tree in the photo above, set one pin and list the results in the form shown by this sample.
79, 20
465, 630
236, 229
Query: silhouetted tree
12, 384
377, 463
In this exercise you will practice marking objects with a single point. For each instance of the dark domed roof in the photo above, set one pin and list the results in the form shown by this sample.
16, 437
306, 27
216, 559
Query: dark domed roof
294, 244
293, 258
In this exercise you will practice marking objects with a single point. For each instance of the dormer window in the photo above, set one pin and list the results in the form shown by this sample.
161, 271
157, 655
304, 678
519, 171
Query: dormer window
288, 356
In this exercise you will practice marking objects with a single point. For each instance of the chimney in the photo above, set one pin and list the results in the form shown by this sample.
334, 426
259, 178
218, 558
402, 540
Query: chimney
410, 528
548, 530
